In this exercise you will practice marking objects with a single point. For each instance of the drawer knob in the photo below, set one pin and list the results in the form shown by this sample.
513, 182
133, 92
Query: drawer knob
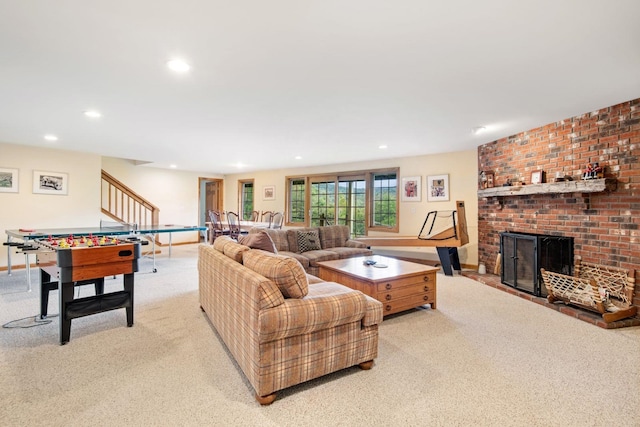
388, 297
388, 286
387, 307
426, 289
426, 298
426, 278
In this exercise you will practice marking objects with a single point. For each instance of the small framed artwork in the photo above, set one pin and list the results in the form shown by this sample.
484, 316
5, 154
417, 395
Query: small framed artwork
8, 180
438, 188
269, 192
411, 189
50, 183
537, 177
490, 179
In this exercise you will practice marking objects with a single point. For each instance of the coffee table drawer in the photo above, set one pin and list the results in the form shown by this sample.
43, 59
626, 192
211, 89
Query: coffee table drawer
402, 304
391, 285
406, 291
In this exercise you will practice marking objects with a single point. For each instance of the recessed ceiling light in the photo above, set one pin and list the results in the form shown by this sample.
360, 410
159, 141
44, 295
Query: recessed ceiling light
173, 166
178, 66
478, 129
382, 147
298, 157
50, 137
93, 114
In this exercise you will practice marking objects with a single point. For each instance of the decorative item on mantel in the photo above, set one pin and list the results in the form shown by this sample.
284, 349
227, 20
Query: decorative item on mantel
486, 179
537, 177
560, 177
593, 171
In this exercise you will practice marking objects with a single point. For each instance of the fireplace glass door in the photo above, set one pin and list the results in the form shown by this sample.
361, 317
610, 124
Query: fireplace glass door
519, 264
524, 254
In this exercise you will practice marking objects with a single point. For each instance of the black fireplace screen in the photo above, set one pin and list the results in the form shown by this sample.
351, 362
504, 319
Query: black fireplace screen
524, 254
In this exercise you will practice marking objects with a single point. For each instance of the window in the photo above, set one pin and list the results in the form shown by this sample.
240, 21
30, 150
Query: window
352, 204
385, 200
323, 203
296, 200
343, 199
246, 199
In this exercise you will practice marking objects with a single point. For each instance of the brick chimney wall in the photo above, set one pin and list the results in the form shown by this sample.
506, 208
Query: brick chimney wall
605, 226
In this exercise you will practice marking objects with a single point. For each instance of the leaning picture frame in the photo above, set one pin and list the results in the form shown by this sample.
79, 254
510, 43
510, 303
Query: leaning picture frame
269, 192
8, 180
411, 189
537, 177
50, 183
438, 188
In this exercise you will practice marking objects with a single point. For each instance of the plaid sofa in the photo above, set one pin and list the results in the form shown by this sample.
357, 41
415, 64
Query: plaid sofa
277, 341
335, 243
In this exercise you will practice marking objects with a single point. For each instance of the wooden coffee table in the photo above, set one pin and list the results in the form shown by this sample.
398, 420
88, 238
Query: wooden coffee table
400, 286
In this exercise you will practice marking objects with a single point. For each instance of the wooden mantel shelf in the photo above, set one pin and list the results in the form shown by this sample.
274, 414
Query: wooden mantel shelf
581, 186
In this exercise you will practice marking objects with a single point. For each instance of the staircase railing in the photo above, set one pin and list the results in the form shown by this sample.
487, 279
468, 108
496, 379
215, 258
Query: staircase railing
122, 204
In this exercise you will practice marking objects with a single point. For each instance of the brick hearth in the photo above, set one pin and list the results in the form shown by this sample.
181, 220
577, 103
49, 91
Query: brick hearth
580, 314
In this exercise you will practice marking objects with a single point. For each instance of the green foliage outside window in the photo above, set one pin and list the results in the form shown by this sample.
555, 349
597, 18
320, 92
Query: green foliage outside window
247, 200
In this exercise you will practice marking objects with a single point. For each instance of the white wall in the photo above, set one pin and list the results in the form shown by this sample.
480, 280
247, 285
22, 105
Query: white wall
174, 192
81, 207
462, 169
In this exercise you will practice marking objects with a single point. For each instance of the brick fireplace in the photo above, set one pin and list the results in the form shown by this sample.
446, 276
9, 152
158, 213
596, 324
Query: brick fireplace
604, 224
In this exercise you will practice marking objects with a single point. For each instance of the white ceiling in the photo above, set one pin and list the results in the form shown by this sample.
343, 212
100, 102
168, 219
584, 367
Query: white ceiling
327, 80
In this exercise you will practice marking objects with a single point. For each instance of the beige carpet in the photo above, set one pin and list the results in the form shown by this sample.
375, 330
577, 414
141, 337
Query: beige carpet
484, 357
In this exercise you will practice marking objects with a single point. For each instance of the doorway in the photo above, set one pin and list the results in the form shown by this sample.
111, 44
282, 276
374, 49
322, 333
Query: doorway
211, 198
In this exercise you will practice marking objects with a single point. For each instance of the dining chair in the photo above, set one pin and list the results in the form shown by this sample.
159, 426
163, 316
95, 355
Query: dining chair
255, 216
276, 220
267, 216
234, 225
216, 228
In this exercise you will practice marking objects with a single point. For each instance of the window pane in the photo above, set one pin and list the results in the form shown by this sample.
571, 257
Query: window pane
247, 200
351, 205
296, 204
385, 187
323, 203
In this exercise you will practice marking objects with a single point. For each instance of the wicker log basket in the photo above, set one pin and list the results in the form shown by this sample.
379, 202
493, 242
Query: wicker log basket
605, 290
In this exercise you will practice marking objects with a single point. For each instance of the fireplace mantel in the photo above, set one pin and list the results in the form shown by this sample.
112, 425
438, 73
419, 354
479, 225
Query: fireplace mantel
581, 186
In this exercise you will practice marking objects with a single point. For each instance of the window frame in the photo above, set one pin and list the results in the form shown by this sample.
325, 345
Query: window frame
370, 180
241, 194
345, 176
288, 201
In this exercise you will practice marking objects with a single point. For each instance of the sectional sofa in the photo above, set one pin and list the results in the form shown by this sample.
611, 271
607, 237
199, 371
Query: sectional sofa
282, 325
310, 245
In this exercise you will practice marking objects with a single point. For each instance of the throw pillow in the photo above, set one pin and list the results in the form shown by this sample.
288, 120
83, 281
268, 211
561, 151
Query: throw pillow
308, 241
221, 242
285, 272
260, 240
234, 250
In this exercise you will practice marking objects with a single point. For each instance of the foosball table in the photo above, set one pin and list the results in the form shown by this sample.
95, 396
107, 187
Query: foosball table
73, 261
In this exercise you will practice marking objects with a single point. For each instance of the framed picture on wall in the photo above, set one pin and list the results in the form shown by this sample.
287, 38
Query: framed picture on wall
269, 192
438, 188
411, 189
8, 180
50, 183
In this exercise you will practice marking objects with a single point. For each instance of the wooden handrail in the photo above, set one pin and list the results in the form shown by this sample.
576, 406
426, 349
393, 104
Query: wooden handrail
124, 205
